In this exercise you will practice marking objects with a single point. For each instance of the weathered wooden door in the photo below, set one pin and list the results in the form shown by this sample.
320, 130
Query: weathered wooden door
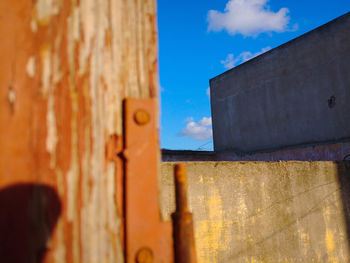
65, 68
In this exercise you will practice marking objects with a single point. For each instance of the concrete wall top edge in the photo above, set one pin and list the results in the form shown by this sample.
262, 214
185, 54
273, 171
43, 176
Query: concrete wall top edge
249, 162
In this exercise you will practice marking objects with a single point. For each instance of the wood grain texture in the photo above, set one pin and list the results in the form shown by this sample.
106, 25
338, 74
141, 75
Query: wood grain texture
65, 68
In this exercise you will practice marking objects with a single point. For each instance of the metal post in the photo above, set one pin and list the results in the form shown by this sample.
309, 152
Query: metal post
184, 245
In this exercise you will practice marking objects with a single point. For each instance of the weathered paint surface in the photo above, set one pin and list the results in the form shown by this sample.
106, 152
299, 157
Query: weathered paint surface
266, 212
65, 68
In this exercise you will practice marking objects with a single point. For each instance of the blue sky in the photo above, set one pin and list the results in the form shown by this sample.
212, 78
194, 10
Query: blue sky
201, 39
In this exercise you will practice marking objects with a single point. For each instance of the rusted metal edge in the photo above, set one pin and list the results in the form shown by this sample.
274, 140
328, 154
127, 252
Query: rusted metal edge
184, 244
147, 238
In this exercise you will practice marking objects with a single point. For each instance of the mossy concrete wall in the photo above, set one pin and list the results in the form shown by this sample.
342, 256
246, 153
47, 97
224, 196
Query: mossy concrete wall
266, 211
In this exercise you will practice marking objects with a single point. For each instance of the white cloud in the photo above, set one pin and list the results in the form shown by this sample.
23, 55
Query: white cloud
232, 61
205, 121
188, 119
249, 18
208, 92
198, 130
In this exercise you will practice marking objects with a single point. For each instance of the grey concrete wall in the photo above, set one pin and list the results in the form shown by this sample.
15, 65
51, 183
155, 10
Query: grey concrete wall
265, 212
324, 152
281, 98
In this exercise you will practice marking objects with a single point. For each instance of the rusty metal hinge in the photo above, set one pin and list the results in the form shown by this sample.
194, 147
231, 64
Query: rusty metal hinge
145, 236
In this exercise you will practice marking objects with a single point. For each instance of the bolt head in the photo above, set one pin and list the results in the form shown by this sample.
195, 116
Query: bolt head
144, 255
142, 117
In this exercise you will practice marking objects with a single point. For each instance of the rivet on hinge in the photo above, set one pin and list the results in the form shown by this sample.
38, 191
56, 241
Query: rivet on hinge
144, 255
142, 117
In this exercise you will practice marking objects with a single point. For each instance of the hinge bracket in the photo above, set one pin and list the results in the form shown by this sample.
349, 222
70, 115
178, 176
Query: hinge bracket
147, 238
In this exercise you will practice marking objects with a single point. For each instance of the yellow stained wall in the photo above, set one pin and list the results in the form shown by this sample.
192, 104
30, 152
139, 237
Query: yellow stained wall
265, 211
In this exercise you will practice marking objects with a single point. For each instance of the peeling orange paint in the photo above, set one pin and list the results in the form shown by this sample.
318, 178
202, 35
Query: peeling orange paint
59, 114
31, 67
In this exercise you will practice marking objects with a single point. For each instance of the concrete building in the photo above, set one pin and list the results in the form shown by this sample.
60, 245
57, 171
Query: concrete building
291, 102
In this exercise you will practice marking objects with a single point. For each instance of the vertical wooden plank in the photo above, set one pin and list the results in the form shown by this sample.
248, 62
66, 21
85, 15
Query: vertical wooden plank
65, 68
